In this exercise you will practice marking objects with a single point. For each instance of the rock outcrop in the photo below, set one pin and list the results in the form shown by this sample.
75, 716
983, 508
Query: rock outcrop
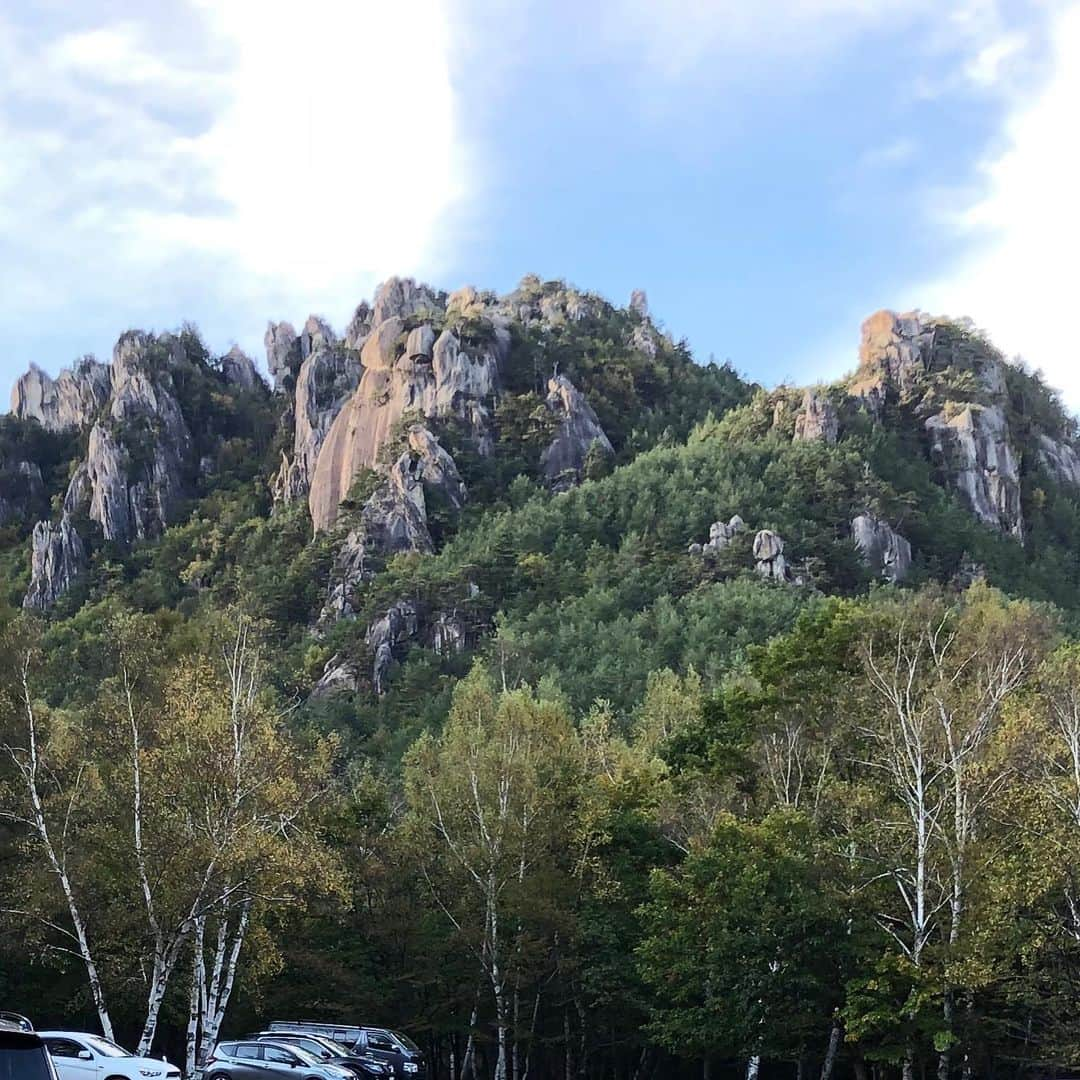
817, 419
639, 303
1060, 459
282, 352
882, 549
326, 380
238, 369
449, 634
395, 517
579, 431
407, 371
973, 449
397, 626
721, 533
71, 401
894, 354
132, 480
22, 490
769, 559
57, 558
340, 676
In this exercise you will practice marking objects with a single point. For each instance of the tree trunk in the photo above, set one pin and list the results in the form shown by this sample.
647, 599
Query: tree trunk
196, 999
944, 1066
753, 1067
835, 1035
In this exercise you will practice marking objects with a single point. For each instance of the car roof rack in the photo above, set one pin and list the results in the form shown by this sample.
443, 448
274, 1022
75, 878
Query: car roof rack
16, 1020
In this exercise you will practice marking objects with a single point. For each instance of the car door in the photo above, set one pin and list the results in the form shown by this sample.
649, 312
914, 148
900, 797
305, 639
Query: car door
383, 1048
279, 1063
248, 1063
70, 1058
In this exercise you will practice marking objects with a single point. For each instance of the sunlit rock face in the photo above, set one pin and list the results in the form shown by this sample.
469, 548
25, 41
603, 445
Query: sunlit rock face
70, 401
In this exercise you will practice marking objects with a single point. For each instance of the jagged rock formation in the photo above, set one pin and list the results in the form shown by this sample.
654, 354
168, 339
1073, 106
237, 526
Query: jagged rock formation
579, 430
721, 534
449, 634
398, 625
238, 369
282, 352
340, 676
1060, 459
57, 558
324, 383
974, 450
133, 477
969, 439
395, 517
882, 549
769, 559
410, 369
71, 401
639, 303
817, 419
21, 490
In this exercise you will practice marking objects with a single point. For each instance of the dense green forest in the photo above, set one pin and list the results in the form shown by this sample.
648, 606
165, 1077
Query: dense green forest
660, 769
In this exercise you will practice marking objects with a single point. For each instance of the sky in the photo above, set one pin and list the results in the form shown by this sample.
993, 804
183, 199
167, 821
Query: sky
770, 173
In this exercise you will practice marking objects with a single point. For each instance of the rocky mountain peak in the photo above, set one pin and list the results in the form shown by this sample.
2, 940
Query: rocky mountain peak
71, 401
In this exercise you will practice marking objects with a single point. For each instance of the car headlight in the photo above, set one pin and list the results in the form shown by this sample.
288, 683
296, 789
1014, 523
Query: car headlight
151, 1072
411, 1067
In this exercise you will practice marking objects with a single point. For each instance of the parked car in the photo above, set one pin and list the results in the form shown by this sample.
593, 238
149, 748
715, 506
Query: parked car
326, 1049
397, 1050
23, 1055
78, 1055
251, 1059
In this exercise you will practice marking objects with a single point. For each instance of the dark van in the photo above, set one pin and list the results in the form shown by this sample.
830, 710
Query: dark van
23, 1055
397, 1050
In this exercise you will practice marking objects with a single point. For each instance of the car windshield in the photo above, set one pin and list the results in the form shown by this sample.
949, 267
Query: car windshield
105, 1047
406, 1041
335, 1048
22, 1059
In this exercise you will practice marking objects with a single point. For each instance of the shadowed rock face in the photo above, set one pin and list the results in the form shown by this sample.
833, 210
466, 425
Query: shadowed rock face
71, 401
57, 558
282, 352
817, 419
22, 490
406, 372
769, 559
397, 626
133, 477
239, 370
882, 549
579, 430
326, 380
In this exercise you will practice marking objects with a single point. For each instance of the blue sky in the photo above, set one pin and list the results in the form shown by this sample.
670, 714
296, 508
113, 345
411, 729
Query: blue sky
769, 173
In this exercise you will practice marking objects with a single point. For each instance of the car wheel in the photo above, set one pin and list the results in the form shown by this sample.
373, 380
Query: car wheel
218, 1076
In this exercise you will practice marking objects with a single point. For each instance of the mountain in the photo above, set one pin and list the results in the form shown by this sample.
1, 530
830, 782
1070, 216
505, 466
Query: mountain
547, 486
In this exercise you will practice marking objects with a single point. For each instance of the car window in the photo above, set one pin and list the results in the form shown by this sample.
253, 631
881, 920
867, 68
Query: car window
251, 1051
342, 1035
282, 1057
228, 1049
377, 1041
63, 1048
406, 1041
107, 1048
23, 1059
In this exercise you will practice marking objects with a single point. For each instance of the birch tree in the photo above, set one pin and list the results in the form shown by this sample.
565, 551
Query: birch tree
490, 810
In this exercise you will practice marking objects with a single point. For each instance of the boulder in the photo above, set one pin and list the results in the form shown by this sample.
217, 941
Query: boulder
972, 447
579, 430
70, 402
882, 549
403, 297
340, 676
817, 420
399, 625
57, 558
238, 369
722, 533
282, 352
769, 559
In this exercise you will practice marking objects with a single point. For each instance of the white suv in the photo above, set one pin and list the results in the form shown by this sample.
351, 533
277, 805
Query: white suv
79, 1056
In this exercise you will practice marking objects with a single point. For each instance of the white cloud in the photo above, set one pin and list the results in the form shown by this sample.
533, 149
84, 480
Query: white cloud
220, 159
1021, 281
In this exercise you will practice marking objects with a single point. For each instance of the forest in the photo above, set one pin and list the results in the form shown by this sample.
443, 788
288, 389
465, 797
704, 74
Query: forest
661, 808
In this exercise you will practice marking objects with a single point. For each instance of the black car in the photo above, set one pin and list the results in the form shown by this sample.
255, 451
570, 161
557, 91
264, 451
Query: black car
397, 1050
23, 1055
326, 1049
